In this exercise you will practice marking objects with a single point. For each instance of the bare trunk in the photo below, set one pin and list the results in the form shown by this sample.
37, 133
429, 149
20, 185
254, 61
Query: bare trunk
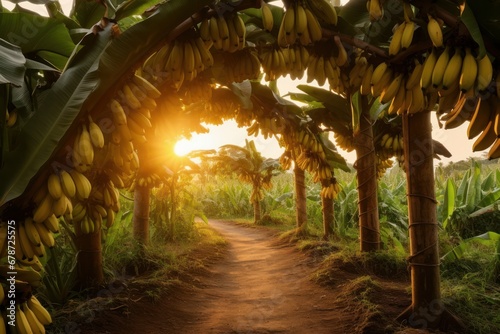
141, 215
256, 211
427, 309
366, 172
89, 259
328, 217
300, 198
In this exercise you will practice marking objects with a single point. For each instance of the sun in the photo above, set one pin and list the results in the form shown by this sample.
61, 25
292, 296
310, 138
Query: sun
183, 147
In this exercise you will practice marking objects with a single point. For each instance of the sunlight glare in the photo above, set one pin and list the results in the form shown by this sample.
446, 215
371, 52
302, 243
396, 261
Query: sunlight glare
183, 147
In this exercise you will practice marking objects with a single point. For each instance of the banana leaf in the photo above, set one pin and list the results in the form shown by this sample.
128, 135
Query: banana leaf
335, 103
132, 7
488, 239
12, 67
448, 205
60, 106
35, 33
472, 25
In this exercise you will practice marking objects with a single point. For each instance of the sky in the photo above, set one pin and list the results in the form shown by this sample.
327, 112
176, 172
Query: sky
455, 140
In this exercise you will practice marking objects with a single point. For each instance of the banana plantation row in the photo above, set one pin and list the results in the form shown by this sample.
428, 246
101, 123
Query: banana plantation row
92, 108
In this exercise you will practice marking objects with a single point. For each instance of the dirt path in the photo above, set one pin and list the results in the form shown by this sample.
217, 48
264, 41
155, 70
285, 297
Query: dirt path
258, 287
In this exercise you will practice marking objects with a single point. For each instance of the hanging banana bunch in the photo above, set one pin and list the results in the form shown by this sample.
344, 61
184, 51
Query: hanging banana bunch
242, 65
299, 24
224, 32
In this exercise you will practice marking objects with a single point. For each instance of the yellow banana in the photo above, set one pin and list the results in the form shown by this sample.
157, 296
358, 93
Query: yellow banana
365, 88
382, 83
44, 209
440, 68
469, 71
22, 324
313, 26
486, 138
82, 186
342, 56
375, 10
378, 73
96, 135
415, 76
52, 223
289, 21
85, 148
429, 64
324, 11
54, 186
40, 312
130, 98
267, 16
494, 151
453, 69
146, 86
205, 30
390, 91
407, 36
395, 43
484, 73
31, 231
417, 102
480, 119
435, 32
188, 61
35, 325
119, 116
46, 236
24, 242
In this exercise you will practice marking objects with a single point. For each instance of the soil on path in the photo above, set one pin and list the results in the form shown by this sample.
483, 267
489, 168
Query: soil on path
259, 286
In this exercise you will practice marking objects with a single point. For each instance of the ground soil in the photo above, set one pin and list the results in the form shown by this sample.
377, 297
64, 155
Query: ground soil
258, 285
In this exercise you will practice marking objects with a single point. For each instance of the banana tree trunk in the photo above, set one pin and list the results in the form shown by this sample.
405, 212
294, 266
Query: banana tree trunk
89, 259
256, 211
366, 173
328, 216
300, 198
427, 309
141, 215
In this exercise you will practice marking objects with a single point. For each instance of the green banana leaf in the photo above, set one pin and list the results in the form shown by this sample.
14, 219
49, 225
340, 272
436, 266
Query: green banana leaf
356, 111
87, 13
486, 14
35, 33
335, 103
60, 106
133, 7
43, 133
472, 25
488, 239
448, 205
12, 67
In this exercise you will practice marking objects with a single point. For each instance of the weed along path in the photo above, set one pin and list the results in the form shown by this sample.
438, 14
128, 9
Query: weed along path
257, 285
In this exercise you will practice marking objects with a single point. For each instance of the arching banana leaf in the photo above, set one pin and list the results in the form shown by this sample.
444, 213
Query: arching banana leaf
90, 75
60, 106
35, 34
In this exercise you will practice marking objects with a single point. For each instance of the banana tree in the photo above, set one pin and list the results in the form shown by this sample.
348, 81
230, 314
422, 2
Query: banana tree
251, 167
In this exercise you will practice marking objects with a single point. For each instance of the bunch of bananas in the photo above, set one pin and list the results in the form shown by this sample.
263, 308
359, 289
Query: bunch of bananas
274, 63
382, 166
344, 142
485, 123
267, 126
31, 317
299, 24
199, 90
286, 160
153, 180
401, 89
298, 59
356, 75
103, 202
453, 68
389, 146
324, 68
332, 190
224, 32
242, 65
